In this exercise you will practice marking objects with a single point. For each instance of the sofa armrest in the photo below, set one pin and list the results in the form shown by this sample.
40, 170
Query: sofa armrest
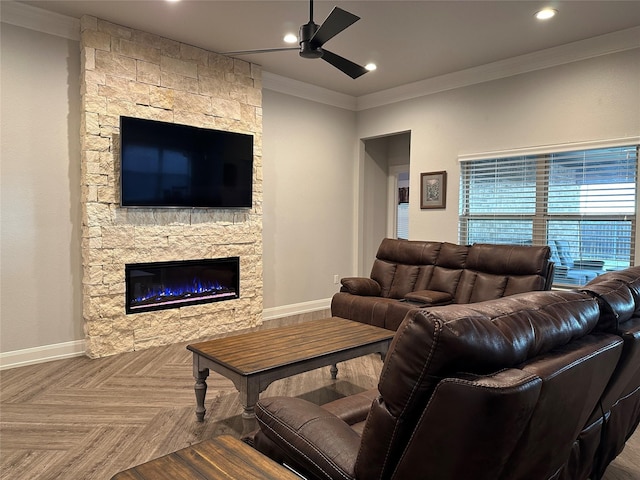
315, 439
429, 297
363, 286
354, 408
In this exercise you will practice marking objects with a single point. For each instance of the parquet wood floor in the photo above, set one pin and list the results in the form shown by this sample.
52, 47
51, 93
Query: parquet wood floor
83, 419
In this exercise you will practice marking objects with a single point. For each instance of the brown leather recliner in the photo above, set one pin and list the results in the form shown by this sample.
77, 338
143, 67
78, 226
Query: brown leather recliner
492, 390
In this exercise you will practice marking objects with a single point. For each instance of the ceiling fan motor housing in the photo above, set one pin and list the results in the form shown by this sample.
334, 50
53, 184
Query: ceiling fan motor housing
307, 31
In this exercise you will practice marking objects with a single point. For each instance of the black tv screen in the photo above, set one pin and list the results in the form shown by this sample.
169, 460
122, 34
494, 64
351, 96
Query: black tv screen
170, 165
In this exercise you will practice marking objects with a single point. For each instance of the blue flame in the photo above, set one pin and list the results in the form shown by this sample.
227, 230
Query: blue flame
196, 287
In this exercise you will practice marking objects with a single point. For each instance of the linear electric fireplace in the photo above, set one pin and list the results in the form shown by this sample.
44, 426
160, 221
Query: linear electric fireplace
161, 285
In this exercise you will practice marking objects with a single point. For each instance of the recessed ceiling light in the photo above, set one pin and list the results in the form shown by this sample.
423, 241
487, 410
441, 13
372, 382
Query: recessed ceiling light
371, 66
291, 38
546, 13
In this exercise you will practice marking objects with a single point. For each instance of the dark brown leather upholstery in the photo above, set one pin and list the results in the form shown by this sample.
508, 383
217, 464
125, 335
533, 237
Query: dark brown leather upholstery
540, 385
618, 413
407, 274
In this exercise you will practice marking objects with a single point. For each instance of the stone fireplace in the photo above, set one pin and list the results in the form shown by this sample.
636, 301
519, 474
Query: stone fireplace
137, 74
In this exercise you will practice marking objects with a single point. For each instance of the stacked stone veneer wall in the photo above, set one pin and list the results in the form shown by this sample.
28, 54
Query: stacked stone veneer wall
133, 73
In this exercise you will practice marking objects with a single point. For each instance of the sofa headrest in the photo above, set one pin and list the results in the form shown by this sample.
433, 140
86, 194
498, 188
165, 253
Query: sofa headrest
453, 256
478, 338
409, 252
630, 276
516, 259
618, 294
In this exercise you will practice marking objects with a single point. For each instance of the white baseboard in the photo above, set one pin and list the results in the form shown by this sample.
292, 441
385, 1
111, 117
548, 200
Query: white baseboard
295, 309
59, 351
46, 353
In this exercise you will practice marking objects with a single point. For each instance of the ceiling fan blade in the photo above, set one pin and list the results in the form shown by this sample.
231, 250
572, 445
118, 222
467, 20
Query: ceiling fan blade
336, 22
347, 66
263, 50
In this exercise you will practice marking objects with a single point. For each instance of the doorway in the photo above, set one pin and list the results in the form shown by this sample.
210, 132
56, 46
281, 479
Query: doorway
384, 194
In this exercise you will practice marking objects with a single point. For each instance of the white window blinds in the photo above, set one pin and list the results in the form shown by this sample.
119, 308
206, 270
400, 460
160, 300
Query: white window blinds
581, 203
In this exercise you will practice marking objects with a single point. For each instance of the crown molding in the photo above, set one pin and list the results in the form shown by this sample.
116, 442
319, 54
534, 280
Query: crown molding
41, 20
551, 57
288, 86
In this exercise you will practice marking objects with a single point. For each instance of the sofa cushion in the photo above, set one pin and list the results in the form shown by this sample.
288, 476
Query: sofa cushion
424, 277
383, 273
445, 280
478, 287
403, 281
488, 287
524, 283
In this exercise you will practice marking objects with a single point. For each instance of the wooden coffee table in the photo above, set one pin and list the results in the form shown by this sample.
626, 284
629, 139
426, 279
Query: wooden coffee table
220, 458
253, 360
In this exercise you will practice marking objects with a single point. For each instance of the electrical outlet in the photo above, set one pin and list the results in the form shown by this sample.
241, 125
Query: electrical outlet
336, 279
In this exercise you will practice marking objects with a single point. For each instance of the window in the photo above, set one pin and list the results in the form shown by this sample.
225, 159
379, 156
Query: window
580, 203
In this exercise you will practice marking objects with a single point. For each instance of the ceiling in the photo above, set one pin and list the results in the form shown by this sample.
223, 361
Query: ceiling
408, 40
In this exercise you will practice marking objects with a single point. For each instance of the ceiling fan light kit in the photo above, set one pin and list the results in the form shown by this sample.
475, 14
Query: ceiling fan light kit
313, 36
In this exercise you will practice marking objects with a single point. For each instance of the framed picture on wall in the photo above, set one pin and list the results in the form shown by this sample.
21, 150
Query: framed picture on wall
433, 190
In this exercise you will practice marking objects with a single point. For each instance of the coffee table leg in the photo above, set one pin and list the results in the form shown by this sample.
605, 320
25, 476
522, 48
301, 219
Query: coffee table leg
249, 393
201, 392
334, 371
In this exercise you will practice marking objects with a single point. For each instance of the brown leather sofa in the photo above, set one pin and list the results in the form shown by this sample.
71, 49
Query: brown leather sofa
539, 385
408, 274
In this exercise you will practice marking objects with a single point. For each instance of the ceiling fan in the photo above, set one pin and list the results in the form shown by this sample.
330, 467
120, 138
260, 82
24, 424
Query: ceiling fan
313, 36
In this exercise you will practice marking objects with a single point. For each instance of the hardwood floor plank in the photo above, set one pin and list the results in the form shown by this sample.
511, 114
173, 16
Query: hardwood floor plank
76, 414
102, 452
27, 464
23, 436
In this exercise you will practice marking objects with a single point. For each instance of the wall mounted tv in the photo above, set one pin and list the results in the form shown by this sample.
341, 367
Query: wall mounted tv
170, 165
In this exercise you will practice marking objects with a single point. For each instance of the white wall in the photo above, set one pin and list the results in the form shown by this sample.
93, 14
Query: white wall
590, 100
40, 188
374, 179
308, 167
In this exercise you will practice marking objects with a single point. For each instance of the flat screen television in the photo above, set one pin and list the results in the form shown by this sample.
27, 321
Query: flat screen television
170, 165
